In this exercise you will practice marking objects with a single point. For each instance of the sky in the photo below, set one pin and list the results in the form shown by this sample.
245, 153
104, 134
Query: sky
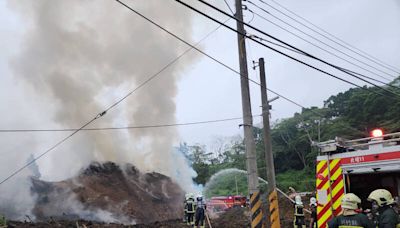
208, 91
211, 92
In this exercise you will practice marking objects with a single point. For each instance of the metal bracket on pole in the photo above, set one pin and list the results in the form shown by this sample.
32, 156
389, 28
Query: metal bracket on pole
245, 125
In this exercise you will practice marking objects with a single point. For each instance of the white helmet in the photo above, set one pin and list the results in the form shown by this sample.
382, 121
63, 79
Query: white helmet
350, 201
313, 201
189, 195
297, 200
382, 197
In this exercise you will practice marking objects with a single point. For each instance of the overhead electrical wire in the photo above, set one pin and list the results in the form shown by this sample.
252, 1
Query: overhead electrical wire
362, 75
282, 53
51, 148
341, 41
116, 103
210, 57
320, 41
290, 49
124, 127
107, 109
229, 7
130, 93
321, 48
276, 44
223, 64
218, 61
348, 72
344, 69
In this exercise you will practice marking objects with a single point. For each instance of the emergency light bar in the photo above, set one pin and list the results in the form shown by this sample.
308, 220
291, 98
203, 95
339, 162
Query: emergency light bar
377, 133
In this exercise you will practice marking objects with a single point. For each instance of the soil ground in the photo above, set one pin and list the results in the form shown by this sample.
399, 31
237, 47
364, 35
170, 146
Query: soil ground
233, 218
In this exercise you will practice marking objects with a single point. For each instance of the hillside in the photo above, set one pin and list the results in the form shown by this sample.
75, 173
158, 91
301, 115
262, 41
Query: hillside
350, 114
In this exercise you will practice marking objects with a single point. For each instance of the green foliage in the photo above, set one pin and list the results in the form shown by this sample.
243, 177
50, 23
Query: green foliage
225, 185
3, 221
351, 114
301, 180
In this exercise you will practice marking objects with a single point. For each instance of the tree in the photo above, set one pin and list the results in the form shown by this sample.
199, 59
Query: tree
350, 114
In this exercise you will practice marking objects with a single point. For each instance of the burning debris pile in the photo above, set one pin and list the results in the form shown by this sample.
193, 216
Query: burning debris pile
110, 193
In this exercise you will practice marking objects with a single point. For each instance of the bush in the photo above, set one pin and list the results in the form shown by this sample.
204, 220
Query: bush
301, 180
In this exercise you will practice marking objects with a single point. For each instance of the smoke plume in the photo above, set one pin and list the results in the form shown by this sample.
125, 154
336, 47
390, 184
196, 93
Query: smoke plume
78, 57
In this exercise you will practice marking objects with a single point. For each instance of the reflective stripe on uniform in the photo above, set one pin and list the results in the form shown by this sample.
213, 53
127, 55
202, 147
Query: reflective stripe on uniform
350, 227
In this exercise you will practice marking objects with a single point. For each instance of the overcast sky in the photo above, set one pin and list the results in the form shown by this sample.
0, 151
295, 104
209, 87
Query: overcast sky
208, 91
211, 92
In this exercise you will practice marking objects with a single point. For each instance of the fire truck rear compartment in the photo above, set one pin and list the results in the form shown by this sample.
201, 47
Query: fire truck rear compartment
364, 183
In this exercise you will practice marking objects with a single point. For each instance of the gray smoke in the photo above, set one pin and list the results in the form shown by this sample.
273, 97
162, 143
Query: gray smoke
78, 57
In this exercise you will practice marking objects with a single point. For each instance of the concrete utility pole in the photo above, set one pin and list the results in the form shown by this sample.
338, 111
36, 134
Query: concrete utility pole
272, 193
252, 176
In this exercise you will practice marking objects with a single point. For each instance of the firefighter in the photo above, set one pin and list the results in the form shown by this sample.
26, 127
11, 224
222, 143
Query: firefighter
185, 208
350, 218
190, 209
200, 212
313, 209
299, 221
382, 202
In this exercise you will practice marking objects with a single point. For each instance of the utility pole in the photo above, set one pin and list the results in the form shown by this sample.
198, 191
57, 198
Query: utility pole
237, 191
272, 193
252, 176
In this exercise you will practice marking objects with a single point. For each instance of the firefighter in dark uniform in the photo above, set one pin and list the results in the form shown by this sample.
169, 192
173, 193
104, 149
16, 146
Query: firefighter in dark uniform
299, 220
313, 209
382, 202
350, 218
184, 208
200, 212
190, 209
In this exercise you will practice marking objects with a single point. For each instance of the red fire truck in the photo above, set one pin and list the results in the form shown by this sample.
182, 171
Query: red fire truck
222, 203
358, 166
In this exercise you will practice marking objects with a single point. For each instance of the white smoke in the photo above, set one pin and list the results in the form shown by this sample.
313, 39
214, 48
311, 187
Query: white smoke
76, 58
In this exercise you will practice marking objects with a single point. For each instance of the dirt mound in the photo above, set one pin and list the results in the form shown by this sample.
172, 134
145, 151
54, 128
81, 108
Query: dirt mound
233, 218
89, 224
107, 192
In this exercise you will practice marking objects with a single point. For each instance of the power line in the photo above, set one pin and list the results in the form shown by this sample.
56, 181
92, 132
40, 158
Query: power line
276, 44
230, 68
223, 64
290, 49
282, 53
344, 69
258, 30
320, 41
229, 7
260, 16
200, 51
124, 127
249, 37
51, 148
325, 50
108, 108
364, 54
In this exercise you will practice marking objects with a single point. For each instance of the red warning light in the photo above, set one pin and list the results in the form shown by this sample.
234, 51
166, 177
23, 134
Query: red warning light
377, 133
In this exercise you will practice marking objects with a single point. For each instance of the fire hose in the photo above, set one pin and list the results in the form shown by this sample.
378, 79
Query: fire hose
208, 219
284, 194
